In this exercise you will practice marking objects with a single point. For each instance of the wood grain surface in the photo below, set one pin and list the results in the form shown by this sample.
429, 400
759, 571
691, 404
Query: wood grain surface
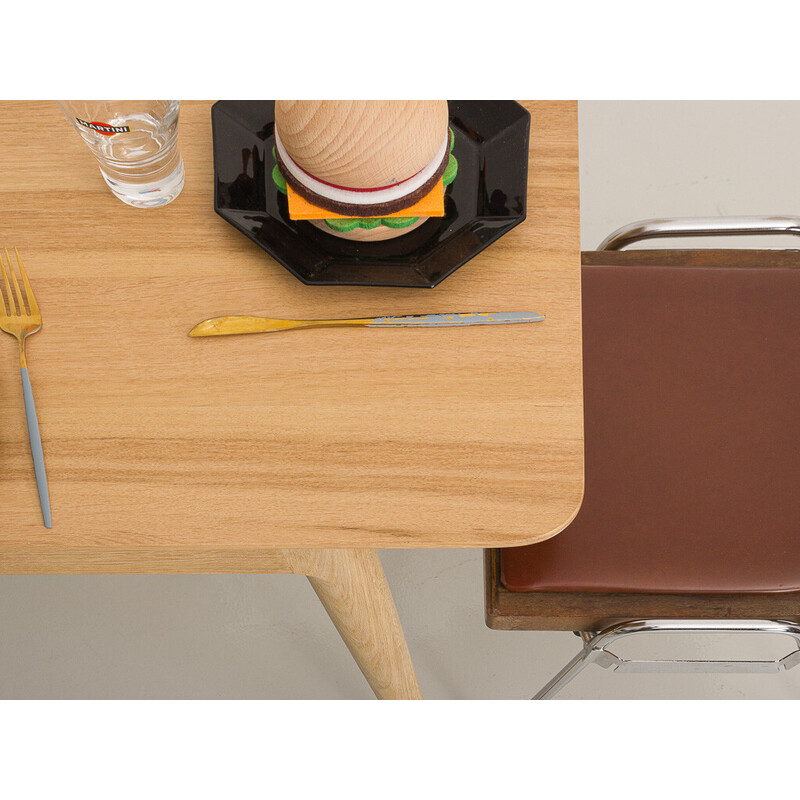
160, 447
352, 587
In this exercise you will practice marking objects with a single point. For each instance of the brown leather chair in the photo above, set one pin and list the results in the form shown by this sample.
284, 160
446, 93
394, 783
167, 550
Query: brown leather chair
691, 513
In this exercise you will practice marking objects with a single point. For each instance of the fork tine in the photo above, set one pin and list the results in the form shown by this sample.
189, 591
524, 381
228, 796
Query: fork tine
32, 304
18, 294
8, 297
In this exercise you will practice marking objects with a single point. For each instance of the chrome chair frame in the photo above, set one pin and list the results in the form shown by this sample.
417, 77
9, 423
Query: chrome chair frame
672, 227
595, 650
595, 643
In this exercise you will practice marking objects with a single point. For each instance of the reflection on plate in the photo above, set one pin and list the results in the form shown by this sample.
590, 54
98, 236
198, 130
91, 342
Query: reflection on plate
486, 200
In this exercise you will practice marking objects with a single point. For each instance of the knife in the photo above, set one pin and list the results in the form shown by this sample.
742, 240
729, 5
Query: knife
225, 326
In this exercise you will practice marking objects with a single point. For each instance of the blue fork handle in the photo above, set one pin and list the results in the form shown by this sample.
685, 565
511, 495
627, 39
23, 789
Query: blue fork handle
36, 448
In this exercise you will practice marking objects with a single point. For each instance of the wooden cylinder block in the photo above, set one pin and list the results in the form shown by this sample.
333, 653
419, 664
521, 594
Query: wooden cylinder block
362, 144
379, 234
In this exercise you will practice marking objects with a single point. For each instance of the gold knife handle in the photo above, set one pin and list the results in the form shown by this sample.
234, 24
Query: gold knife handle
228, 326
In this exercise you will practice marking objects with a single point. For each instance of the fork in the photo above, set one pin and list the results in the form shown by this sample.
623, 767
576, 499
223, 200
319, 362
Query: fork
20, 322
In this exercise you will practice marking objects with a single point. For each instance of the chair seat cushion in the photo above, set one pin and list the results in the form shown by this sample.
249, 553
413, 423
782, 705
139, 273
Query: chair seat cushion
692, 437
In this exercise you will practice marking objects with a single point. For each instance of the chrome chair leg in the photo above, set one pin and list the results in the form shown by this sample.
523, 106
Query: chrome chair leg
570, 671
595, 650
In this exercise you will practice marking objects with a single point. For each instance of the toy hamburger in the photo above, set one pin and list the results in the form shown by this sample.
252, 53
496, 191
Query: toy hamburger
365, 170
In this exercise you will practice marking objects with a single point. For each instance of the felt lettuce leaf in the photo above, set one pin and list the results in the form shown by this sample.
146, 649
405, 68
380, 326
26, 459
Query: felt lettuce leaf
451, 169
277, 175
347, 225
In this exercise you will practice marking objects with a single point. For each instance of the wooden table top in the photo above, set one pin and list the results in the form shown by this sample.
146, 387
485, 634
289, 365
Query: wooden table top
159, 446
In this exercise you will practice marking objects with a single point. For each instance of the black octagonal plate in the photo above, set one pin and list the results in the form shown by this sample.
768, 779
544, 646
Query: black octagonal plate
486, 200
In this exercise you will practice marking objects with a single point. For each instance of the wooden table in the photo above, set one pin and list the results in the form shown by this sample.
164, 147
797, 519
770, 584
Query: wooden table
300, 452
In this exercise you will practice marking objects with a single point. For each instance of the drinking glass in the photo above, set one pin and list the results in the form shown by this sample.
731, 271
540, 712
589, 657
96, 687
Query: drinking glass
135, 144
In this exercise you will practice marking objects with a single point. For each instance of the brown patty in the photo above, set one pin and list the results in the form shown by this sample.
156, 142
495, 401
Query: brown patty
372, 210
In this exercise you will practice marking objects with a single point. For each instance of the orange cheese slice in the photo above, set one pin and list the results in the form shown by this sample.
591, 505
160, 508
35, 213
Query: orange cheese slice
432, 205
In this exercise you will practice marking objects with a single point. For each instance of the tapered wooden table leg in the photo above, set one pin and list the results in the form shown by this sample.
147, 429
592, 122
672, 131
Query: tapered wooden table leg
352, 586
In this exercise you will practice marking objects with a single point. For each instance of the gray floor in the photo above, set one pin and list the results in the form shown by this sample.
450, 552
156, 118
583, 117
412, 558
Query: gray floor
268, 637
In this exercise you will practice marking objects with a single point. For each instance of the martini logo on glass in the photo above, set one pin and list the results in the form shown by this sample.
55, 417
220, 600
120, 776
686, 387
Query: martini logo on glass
135, 143
104, 128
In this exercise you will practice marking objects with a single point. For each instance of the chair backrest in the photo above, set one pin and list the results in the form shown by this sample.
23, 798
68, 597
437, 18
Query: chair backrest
610, 251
